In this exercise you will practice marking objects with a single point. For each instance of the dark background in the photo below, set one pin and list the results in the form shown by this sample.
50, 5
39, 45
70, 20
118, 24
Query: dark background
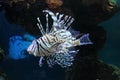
28, 68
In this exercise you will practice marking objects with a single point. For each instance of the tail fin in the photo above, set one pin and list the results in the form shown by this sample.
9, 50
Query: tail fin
84, 40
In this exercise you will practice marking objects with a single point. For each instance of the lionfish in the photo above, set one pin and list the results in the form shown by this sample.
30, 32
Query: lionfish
56, 45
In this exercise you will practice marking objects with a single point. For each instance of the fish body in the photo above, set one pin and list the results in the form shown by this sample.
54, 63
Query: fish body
56, 44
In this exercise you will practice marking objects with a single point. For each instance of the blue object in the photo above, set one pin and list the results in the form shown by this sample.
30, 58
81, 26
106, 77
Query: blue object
18, 46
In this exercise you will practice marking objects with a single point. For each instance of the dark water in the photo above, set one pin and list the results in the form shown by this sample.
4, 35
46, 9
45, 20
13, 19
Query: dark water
111, 51
28, 69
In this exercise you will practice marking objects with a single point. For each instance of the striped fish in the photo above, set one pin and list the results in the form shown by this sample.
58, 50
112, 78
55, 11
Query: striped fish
56, 44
